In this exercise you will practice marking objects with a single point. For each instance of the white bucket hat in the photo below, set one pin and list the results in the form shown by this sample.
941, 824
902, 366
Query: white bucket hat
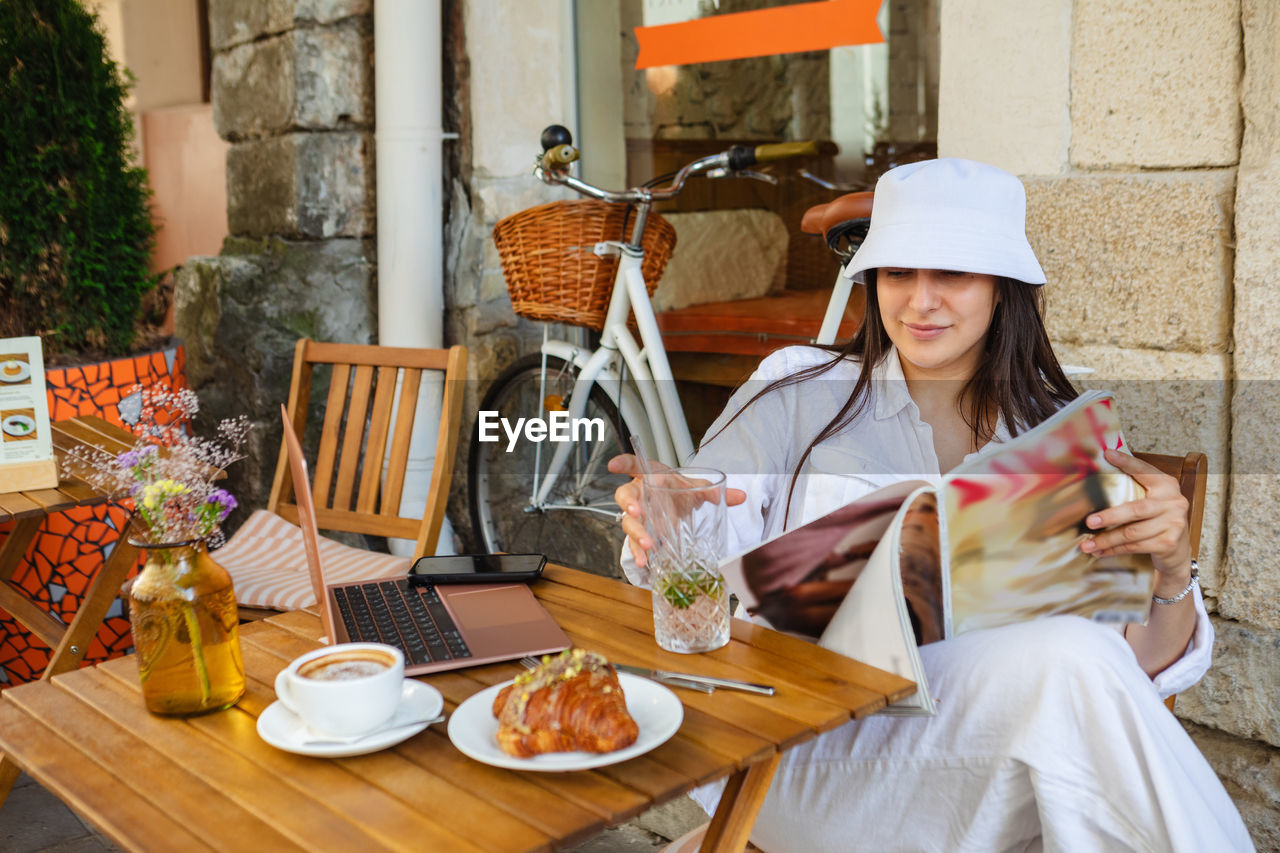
949, 214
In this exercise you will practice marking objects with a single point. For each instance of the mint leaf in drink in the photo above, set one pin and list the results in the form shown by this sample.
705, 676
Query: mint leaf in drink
682, 588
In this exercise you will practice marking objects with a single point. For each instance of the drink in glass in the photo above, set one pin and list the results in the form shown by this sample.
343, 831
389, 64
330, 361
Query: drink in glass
685, 517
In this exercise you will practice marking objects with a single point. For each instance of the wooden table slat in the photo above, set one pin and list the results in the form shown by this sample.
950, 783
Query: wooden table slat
305, 820
762, 715
788, 649
750, 666
16, 505
396, 815
87, 736
95, 432
127, 817
177, 790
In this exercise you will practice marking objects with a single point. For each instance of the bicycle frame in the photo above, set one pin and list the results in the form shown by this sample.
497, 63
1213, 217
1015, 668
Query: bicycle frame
659, 417
637, 377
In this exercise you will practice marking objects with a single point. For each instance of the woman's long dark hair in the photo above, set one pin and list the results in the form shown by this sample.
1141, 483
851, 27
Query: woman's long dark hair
1019, 375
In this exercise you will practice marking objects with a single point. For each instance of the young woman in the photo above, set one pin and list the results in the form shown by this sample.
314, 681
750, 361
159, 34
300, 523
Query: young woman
1050, 733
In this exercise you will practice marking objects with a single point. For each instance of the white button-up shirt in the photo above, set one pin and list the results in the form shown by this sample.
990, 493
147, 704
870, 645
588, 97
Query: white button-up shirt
886, 443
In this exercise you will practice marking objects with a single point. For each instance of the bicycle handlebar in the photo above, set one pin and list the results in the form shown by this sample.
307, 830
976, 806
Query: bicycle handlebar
558, 152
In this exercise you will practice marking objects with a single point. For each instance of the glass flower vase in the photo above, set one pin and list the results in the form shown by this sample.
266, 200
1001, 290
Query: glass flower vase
182, 610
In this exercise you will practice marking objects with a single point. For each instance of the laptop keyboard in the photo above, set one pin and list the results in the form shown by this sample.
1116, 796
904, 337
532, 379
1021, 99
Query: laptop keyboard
411, 618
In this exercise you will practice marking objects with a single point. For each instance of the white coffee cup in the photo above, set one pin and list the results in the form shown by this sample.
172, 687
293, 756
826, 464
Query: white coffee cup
343, 690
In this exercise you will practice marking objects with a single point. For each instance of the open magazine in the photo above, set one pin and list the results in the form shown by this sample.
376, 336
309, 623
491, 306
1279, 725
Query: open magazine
997, 542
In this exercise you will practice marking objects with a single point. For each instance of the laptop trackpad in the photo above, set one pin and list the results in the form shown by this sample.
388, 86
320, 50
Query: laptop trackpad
486, 608
504, 621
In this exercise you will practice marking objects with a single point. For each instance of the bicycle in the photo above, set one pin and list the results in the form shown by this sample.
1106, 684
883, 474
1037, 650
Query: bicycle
563, 505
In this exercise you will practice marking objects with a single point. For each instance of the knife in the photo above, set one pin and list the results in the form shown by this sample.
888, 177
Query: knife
727, 683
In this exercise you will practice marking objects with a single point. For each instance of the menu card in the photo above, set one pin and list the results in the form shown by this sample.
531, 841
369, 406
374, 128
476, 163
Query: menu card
26, 442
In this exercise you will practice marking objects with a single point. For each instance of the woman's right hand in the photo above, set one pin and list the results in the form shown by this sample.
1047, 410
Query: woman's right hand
629, 500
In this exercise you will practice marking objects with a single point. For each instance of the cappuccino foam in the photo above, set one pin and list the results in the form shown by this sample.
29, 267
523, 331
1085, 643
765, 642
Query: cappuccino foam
345, 667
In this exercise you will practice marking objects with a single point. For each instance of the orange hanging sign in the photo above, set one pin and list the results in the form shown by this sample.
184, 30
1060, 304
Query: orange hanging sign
764, 32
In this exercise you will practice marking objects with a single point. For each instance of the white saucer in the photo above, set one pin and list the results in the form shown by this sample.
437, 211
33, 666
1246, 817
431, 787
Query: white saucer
283, 729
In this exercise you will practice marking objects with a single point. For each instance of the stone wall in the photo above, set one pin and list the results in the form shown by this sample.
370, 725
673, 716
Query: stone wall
293, 94
491, 176
1153, 174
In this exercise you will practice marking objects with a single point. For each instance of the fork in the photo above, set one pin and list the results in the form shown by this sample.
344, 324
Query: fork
669, 680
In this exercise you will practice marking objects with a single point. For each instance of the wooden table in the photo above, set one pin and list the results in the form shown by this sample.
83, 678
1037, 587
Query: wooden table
152, 783
28, 510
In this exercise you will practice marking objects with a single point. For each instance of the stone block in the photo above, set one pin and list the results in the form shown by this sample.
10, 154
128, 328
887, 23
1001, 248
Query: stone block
977, 96
334, 70
1238, 693
1257, 269
1250, 771
233, 22
253, 88
1136, 260
506, 120
318, 78
1252, 592
1155, 84
1260, 21
336, 185
723, 254
197, 308
266, 300
302, 185
1173, 403
262, 187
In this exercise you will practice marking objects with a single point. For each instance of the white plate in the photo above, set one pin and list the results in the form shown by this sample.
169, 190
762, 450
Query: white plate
14, 423
656, 710
24, 372
283, 729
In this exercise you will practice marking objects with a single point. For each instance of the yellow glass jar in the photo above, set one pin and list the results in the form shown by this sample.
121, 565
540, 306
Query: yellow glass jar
182, 610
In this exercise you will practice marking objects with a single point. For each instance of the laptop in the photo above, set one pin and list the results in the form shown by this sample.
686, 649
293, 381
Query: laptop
442, 627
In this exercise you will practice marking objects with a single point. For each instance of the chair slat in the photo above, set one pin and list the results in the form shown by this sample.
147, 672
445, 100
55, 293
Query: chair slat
376, 445
353, 437
406, 410
378, 356
328, 452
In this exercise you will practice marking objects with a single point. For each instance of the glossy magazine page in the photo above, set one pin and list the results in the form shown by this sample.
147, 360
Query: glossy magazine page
1014, 520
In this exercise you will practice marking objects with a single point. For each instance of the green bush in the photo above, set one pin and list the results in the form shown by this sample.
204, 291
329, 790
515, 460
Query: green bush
75, 225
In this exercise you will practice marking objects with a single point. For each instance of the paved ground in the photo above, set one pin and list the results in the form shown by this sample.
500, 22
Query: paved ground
35, 821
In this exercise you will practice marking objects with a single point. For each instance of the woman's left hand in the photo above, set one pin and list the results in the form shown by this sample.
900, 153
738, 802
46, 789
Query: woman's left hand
1155, 524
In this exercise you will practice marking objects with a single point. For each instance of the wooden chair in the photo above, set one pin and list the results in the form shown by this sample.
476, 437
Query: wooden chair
359, 472
1192, 473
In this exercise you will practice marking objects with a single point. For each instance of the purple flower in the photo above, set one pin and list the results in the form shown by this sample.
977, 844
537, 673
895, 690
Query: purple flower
223, 500
136, 458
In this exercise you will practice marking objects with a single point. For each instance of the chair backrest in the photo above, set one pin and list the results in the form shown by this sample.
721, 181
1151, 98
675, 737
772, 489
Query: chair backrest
1192, 473
359, 470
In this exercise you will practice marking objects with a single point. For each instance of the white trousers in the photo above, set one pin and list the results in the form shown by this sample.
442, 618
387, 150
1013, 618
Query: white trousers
1049, 736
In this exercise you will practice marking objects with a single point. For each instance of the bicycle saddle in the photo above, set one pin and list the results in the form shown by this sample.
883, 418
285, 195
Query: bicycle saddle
843, 222
821, 218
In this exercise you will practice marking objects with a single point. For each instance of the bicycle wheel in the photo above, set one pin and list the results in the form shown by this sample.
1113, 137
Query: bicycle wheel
577, 526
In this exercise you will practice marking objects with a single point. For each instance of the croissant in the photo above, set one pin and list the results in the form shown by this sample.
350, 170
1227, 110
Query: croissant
570, 702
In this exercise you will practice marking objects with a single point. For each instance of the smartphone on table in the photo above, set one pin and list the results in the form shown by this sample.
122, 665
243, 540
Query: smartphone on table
477, 568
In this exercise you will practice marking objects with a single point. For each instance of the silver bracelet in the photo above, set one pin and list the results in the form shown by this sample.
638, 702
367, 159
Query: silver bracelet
1195, 581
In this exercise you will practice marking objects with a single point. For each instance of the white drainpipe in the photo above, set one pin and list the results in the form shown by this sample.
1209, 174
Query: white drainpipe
407, 68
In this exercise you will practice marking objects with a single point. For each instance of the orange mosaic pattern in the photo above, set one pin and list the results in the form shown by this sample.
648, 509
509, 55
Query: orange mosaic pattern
71, 546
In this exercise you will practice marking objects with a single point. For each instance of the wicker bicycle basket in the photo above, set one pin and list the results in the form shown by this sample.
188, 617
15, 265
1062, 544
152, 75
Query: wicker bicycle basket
550, 265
